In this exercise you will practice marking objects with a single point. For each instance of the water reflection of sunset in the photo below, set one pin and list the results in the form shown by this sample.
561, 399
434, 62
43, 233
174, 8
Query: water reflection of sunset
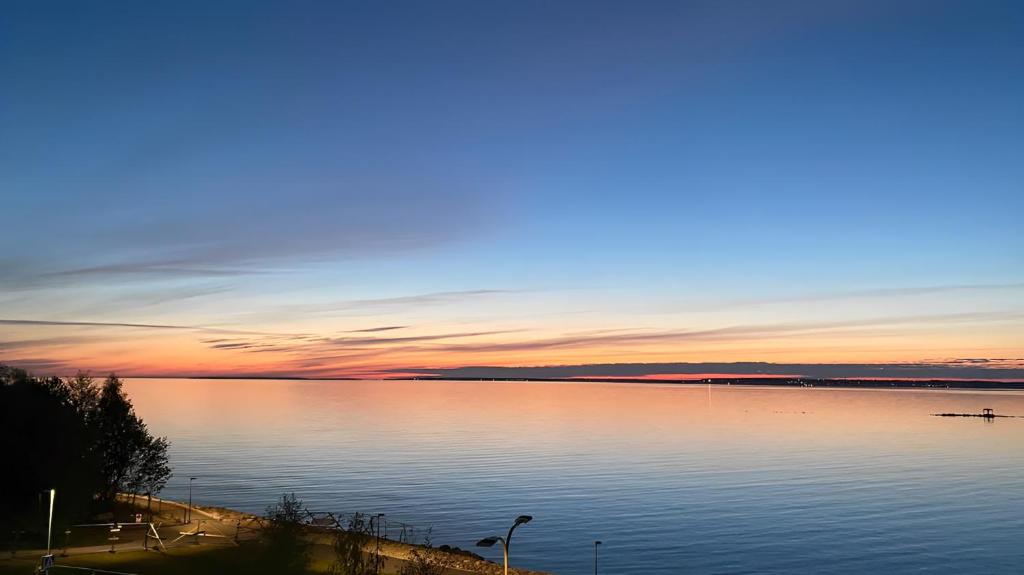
553, 412
729, 466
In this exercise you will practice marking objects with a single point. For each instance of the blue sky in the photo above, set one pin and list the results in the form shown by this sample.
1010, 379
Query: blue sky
564, 167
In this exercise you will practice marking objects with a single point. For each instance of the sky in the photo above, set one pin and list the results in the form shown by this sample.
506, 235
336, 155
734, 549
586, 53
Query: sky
348, 189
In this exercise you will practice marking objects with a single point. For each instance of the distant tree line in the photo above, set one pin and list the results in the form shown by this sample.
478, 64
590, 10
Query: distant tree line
77, 436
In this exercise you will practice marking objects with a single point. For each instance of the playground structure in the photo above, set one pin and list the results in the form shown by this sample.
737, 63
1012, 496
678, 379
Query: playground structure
202, 529
147, 531
115, 535
112, 537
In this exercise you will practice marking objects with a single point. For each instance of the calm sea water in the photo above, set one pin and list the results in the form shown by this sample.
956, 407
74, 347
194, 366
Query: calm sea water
673, 479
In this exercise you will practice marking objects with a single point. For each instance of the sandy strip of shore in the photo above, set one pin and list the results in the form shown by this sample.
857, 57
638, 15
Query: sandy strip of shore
230, 519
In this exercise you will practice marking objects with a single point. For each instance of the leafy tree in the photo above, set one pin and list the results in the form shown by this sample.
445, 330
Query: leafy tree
73, 436
85, 395
133, 460
150, 468
120, 435
286, 551
47, 445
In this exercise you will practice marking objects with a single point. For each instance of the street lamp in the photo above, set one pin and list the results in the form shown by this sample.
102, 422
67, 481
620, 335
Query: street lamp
49, 528
190, 480
507, 540
596, 544
376, 559
48, 558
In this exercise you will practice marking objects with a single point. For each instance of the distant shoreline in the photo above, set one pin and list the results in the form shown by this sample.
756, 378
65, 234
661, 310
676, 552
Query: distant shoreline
844, 383
773, 382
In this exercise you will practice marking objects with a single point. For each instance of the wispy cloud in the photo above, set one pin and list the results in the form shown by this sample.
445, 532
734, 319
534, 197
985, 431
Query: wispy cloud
229, 226
329, 346
35, 343
858, 294
240, 345
378, 306
306, 353
151, 297
156, 326
41, 365
357, 341
44, 322
730, 333
376, 329
336, 354
151, 268
426, 299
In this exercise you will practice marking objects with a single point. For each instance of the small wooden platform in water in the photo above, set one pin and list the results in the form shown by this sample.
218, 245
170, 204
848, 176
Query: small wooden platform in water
986, 413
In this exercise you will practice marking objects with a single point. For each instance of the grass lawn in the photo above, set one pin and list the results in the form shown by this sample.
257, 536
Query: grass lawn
178, 561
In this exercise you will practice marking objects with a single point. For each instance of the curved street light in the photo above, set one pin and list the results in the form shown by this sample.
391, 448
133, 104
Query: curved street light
505, 541
596, 545
190, 480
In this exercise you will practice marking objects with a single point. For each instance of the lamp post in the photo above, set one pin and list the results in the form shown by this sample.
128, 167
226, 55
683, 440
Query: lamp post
190, 480
507, 540
48, 558
596, 544
376, 558
49, 528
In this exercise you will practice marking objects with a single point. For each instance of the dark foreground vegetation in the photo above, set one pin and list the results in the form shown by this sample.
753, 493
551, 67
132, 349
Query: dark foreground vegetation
77, 436
288, 543
284, 541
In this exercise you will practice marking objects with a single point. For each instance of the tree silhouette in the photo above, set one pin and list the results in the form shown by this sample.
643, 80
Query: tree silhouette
286, 550
133, 460
73, 436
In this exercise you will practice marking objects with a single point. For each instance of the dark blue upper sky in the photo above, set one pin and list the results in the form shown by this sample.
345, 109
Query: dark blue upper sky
645, 151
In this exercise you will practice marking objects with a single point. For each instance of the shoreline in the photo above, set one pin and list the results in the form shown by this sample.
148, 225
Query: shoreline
844, 383
835, 383
460, 561
211, 533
